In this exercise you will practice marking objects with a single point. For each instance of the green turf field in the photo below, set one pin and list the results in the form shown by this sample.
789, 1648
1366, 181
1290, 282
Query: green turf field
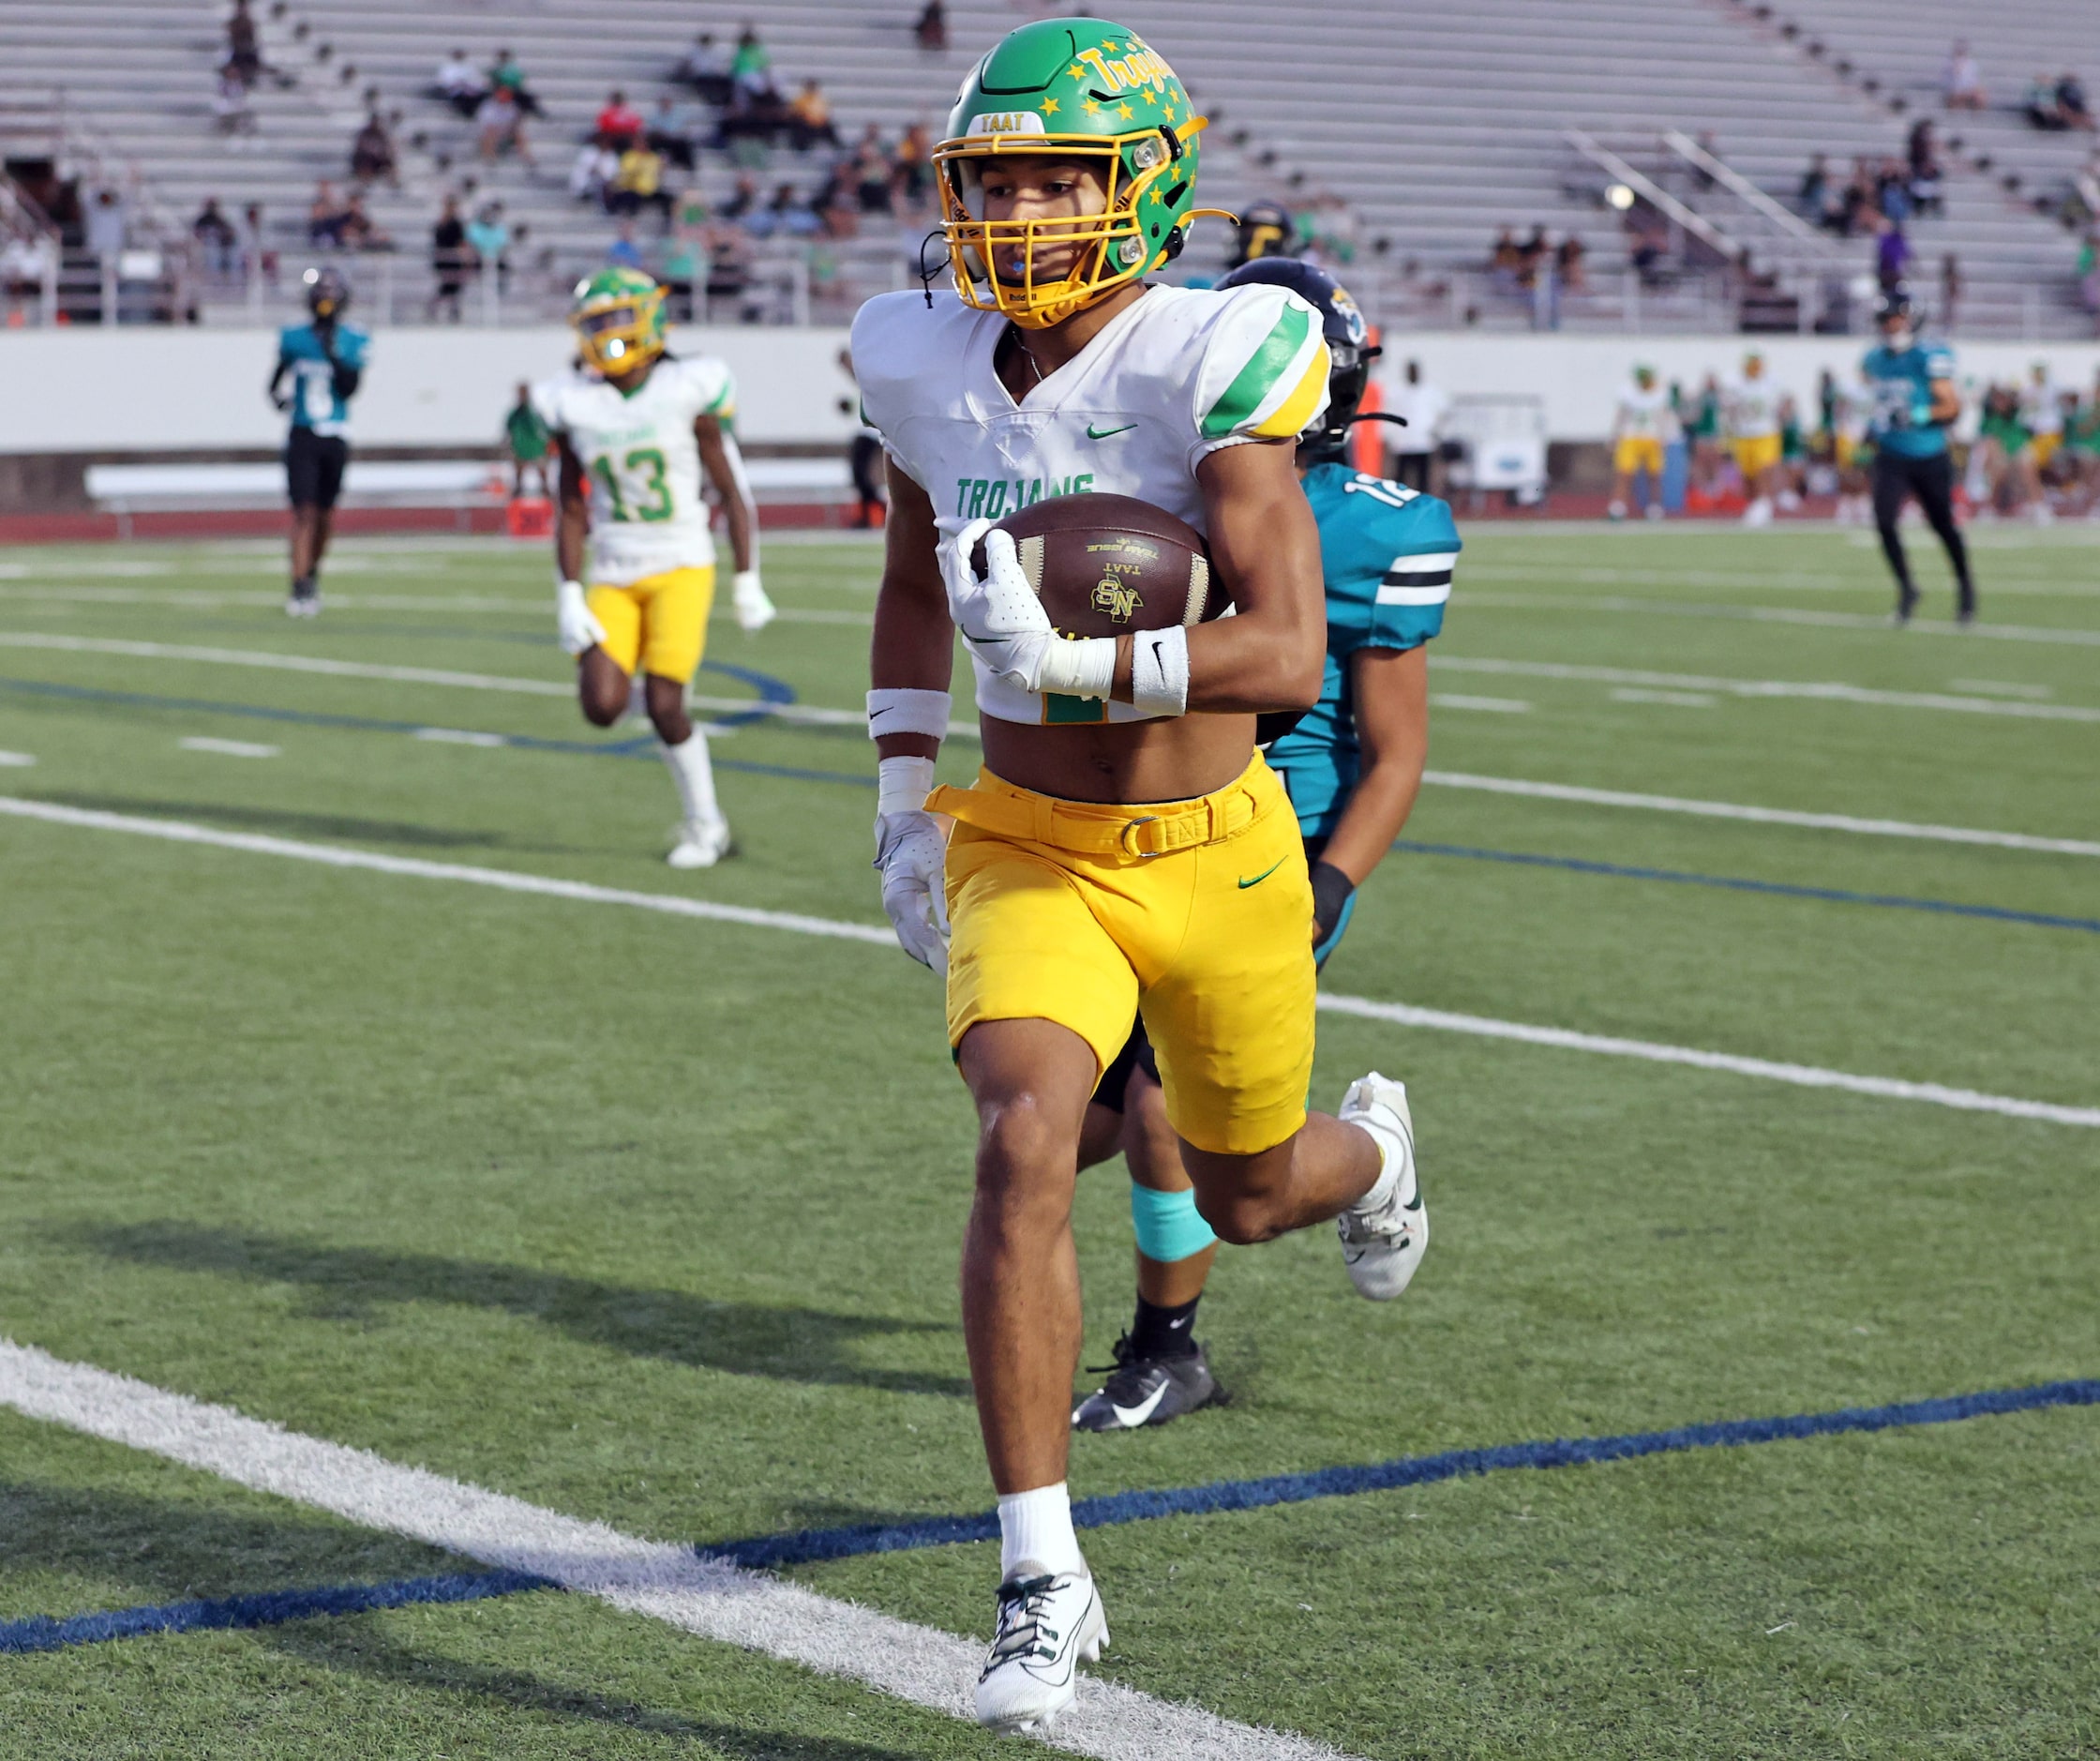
654, 1220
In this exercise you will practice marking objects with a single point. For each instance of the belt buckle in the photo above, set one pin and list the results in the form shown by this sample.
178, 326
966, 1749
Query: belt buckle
1123, 839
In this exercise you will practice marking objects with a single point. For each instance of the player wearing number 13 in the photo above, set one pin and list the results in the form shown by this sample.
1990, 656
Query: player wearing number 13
1124, 849
636, 427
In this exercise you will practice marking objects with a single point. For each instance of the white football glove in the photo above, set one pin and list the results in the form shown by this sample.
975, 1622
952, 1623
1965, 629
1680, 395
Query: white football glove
912, 853
1004, 621
573, 623
753, 610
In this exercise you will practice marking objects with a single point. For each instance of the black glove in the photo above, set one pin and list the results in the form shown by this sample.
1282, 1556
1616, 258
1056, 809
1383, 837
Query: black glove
1331, 889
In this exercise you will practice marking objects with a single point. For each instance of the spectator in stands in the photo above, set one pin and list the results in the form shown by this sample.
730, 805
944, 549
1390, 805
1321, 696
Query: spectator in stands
2041, 106
244, 55
1531, 258
915, 164
324, 217
834, 203
786, 216
623, 252
257, 259
1854, 201
619, 122
742, 200
1926, 177
1814, 194
1505, 262
1891, 254
215, 234
874, 173
1950, 292
500, 126
1892, 192
448, 260
684, 269
458, 82
591, 177
931, 26
670, 133
231, 111
372, 158
2071, 104
359, 232
638, 182
809, 119
507, 76
706, 69
751, 66
1963, 82
1571, 261
2089, 275
488, 238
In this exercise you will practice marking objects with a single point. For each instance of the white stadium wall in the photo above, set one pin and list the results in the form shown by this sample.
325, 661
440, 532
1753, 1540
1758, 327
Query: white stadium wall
174, 390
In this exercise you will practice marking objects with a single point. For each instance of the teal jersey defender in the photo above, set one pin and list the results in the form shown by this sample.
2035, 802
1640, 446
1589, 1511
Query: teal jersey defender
1386, 553
314, 403
1901, 381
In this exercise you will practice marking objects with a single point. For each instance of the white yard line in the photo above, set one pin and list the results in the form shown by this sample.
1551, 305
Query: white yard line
1779, 582
336, 856
284, 663
1585, 603
1762, 816
663, 1580
2020, 708
228, 749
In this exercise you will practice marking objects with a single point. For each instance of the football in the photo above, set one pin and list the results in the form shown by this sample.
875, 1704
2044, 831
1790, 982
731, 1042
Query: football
1102, 564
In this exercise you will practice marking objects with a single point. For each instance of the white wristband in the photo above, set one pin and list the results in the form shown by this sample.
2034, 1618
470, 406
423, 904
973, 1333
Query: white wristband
1160, 671
903, 785
1085, 667
895, 710
562, 587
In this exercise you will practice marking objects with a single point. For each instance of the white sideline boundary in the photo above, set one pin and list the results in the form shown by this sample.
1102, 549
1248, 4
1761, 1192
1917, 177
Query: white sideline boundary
335, 856
1788, 615
1762, 816
660, 1579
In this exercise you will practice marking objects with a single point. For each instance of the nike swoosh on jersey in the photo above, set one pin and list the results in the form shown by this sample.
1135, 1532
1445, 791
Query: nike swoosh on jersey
1134, 1416
1244, 884
1102, 434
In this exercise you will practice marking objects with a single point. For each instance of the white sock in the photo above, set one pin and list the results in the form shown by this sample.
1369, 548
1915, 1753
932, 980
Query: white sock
1035, 1528
693, 776
1393, 1162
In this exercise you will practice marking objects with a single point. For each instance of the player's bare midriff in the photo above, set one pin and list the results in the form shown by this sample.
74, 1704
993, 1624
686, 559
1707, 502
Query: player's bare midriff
1122, 762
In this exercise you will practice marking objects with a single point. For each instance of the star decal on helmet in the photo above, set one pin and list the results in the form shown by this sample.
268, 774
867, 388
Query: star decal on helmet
1049, 107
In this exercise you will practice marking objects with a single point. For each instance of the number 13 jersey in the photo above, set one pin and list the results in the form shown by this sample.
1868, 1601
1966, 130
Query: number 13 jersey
641, 462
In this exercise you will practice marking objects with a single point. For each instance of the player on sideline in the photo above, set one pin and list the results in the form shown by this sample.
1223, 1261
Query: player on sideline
1912, 381
1752, 410
324, 360
1124, 848
1641, 427
1352, 768
636, 427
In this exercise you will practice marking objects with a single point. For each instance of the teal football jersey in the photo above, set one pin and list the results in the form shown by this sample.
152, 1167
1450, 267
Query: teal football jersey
314, 403
1388, 553
1901, 382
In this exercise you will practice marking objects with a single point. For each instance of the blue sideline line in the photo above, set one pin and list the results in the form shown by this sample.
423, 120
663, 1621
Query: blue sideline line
808, 1546
644, 747
44, 1633
1840, 895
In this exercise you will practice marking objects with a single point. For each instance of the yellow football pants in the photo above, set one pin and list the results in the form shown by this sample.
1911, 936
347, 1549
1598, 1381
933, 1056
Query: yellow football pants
1756, 456
658, 622
1637, 452
1197, 913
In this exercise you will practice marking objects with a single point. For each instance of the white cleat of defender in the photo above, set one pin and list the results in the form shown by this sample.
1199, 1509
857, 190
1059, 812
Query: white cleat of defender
701, 844
1048, 1626
1385, 1234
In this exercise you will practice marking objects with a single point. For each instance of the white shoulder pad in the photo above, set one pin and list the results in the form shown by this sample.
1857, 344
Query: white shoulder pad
549, 401
1263, 372
896, 344
710, 384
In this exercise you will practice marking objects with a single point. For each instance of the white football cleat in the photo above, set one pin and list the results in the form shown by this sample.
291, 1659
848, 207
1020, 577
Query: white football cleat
1048, 1626
1384, 1236
1759, 512
701, 844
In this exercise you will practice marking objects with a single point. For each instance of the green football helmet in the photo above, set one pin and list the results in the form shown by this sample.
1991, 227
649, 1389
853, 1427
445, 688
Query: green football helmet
617, 316
1090, 92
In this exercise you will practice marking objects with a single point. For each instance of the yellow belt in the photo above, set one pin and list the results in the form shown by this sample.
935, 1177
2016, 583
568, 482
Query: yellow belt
1099, 828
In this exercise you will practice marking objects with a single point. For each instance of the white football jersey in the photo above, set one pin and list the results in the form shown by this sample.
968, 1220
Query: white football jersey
641, 462
1172, 378
1754, 409
1646, 415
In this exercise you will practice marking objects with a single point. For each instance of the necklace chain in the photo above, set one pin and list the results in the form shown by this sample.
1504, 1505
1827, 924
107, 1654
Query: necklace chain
1028, 355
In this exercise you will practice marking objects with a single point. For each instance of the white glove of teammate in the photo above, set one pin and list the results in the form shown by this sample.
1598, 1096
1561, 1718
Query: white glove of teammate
753, 610
1005, 624
911, 851
577, 628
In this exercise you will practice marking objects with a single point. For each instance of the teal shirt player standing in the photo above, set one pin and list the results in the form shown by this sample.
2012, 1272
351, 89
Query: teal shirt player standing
1901, 381
314, 403
1387, 552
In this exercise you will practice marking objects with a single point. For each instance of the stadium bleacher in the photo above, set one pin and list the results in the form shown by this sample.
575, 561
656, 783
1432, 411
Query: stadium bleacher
1435, 131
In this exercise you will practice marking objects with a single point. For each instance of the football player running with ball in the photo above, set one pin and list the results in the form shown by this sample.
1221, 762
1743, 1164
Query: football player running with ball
1125, 847
1353, 768
635, 426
